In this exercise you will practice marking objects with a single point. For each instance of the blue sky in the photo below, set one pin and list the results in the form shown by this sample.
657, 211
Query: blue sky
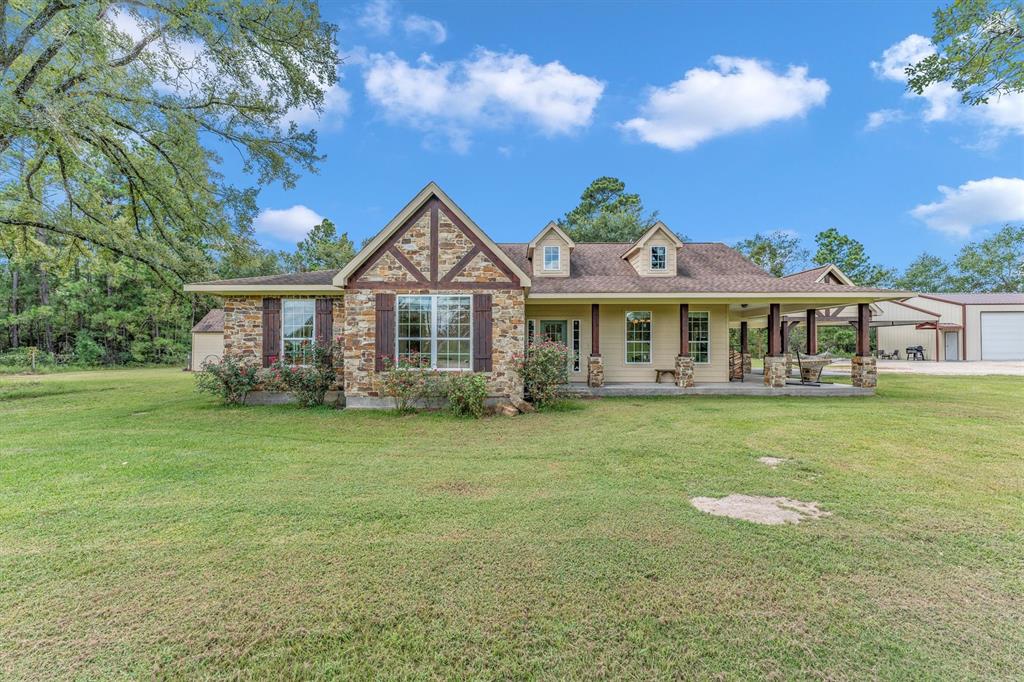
728, 119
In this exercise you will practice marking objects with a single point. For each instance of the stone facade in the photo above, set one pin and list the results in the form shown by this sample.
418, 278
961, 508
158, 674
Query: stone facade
338, 339
775, 371
388, 269
863, 372
789, 364
243, 328
747, 365
735, 365
481, 269
452, 243
508, 318
415, 244
595, 371
684, 371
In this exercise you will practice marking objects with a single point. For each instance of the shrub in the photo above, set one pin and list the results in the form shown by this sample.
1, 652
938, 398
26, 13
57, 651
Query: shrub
87, 351
229, 379
310, 383
408, 381
466, 394
544, 369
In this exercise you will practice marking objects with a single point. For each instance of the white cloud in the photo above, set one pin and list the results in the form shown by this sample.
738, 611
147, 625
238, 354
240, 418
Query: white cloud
487, 89
738, 94
1001, 116
877, 119
432, 29
974, 204
897, 57
287, 224
377, 17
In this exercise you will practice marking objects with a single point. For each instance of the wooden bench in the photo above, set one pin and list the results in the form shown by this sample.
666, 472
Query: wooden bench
659, 372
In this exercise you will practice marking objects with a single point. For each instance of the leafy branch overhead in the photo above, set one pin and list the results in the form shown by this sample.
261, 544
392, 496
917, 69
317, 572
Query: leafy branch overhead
113, 118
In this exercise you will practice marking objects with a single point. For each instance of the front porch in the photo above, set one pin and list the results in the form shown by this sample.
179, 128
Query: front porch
753, 385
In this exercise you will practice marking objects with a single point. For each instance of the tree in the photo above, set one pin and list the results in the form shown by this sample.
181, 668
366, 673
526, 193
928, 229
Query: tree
777, 252
104, 110
927, 274
322, 249
980, 53
995, 264
849, 256
607, 213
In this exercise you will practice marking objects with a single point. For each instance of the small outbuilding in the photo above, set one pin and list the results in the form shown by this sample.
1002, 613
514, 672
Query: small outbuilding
207, 339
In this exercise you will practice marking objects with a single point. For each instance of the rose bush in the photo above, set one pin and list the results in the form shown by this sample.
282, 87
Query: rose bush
544, 369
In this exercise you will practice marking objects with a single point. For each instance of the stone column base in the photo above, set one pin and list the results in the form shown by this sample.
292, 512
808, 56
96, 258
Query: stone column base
746, 363
789, 364
735, 366
684, 371
863, 372
775, 371
595, 371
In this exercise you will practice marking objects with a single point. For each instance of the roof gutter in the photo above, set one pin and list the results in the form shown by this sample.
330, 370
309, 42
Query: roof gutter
252, 289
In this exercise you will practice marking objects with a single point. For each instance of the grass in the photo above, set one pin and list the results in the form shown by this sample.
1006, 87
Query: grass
146, 531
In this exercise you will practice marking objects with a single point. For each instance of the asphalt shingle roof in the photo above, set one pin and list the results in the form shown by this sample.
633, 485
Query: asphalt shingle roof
314, 277
213, 321
982, 299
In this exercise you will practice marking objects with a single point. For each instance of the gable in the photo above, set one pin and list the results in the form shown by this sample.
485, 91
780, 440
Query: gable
431, 243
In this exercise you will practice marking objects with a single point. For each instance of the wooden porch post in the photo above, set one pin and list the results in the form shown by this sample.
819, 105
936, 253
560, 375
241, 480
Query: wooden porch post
774, 330
744, 343
595, 329
863, 330
812, 332
684, 330
786, 326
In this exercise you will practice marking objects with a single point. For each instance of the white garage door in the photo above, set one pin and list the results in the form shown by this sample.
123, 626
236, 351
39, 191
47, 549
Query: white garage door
1002, 336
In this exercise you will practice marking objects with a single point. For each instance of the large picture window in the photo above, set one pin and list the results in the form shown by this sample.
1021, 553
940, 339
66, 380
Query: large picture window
297, 320
435, 330
700, 337
638, 338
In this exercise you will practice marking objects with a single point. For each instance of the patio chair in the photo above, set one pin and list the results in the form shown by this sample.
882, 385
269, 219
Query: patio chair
811, 367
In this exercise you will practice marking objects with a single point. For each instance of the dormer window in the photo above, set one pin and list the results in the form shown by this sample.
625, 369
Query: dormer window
659, 258
552, 258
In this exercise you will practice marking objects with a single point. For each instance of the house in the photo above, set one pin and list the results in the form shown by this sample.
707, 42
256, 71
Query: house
957, 326
207, 340
432, 282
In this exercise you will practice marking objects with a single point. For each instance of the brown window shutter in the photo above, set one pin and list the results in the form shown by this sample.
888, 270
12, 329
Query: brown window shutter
324, 321
271, 331
482, 332
385, 331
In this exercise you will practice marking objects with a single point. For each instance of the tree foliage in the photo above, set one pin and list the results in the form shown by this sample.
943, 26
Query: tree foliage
779, 253
607, 213
927, 273
113, 118
995, 264
849, 255
321, 249
980, 51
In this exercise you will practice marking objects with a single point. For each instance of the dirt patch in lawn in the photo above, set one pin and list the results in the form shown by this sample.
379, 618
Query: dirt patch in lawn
771, 461
771, 511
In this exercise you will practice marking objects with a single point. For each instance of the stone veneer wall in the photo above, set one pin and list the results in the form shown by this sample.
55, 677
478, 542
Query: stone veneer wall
243, 328
775, 371
508, 315
863, 372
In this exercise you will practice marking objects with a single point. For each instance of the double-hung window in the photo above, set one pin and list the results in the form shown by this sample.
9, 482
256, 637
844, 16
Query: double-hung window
552, 258
434, 331
638, 338
297, 333
700, 337
659, 258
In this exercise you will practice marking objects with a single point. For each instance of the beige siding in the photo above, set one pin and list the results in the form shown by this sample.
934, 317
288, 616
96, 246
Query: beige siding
899, 338
551, 239
206, 345
641, 260
568, 313
664, 342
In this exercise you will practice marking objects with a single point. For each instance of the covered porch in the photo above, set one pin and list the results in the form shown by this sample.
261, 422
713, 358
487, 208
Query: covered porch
675, 347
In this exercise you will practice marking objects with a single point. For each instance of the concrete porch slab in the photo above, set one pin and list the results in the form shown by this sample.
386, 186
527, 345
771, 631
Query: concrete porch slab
754, 386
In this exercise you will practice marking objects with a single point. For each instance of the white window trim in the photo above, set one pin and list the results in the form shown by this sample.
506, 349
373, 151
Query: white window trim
434, 339
625, 338
650, 262
576, 345
558, 260
281, 356
708, 313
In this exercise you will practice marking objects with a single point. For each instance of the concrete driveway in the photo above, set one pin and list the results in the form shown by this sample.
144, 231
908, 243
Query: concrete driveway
978, 368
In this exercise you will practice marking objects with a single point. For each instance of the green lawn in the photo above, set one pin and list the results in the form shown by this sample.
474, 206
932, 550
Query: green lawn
146, 531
